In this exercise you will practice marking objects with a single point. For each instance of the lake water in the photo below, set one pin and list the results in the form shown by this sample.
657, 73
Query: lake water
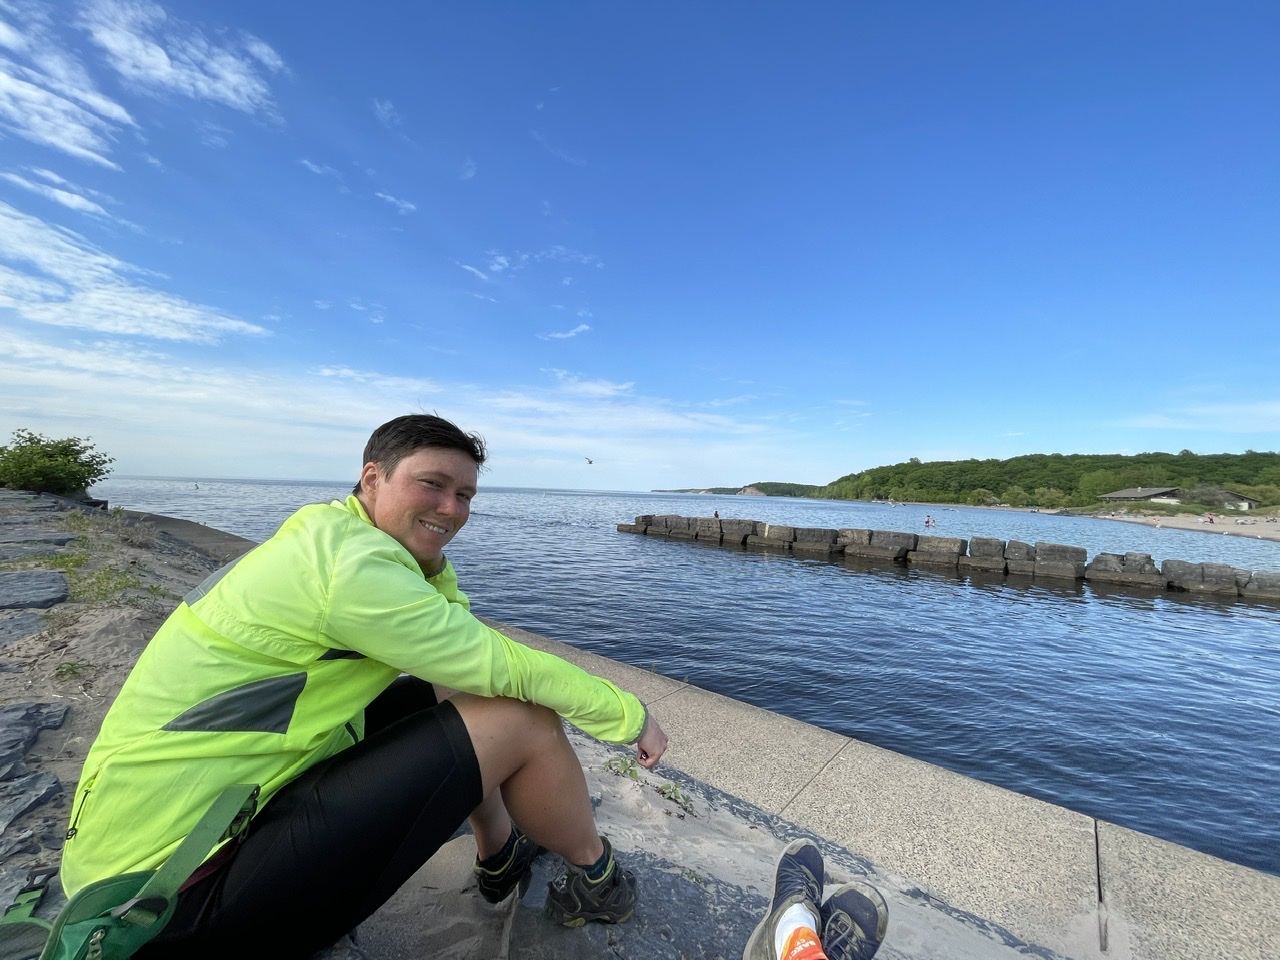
1159, 712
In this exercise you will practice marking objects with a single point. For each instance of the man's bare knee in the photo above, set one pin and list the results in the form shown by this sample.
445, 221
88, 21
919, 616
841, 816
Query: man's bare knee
506, 733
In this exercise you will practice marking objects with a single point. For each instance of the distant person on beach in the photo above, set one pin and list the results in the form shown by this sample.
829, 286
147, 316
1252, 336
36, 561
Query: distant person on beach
850, 924
307, 667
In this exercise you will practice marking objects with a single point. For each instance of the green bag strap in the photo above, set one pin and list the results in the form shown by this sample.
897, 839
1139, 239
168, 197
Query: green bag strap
225, 818
28, 898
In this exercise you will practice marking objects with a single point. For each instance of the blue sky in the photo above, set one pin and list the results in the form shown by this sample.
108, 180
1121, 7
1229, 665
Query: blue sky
702, 244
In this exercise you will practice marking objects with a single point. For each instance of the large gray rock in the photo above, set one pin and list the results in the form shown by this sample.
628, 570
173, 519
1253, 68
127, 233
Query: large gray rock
17, 625
1129, 568
737, 531
938, 551
1017, 550
778, 531
1059, 560
32, 589
768, 543
894, 538
1263, 585
1215, 579
986, 547
850, 535
983, 564
816, 541
707, 528
20, 724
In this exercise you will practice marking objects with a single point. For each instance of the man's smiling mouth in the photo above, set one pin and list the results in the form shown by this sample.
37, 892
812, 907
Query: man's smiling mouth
432, 527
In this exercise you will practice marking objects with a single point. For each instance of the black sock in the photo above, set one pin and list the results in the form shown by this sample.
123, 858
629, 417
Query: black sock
502, 855
597, 870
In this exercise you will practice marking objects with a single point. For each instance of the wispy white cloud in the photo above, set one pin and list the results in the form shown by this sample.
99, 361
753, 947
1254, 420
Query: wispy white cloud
1259, 417
580, 328
41, 108
68, 198
733, 401
55, 277
160, 54
557, 152
320, 169
474, 271
402, 206
578, 387
48, 97
386, 113
214, 135
557, 253
468, 170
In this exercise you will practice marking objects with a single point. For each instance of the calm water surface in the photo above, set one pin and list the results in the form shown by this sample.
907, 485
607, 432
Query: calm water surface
1154, 711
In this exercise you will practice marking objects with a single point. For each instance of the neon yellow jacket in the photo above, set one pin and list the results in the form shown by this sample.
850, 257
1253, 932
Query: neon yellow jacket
266, 668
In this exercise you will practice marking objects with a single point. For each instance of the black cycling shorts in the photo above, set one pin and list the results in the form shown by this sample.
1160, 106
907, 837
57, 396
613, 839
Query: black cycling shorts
336, 843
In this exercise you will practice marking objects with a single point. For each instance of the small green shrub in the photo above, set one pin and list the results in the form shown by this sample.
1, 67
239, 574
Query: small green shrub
105, 583
677, 795
74, 670
623, 767
64, 467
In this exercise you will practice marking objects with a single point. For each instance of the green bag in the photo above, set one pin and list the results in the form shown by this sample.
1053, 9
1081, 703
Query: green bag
111, 919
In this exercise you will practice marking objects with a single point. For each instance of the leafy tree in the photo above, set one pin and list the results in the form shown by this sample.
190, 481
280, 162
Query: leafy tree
1050, 498
1015, 496
63, 467
981, 497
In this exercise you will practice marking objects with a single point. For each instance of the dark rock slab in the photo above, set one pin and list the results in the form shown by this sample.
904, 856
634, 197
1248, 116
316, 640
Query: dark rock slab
20, 724
24, 793
17, 625
27, 589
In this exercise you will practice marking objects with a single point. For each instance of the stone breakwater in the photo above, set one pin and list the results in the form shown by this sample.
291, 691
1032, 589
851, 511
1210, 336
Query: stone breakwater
986, 555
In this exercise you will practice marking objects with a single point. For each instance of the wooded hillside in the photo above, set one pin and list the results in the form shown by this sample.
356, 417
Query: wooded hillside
1060, 480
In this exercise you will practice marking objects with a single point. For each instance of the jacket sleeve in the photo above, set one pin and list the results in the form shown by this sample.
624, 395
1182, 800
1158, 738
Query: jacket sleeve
379, 605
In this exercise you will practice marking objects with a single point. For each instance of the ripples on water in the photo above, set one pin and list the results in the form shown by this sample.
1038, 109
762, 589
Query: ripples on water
1154, 711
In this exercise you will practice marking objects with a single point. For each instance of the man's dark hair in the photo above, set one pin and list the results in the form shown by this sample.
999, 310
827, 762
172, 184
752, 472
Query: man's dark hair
401, 437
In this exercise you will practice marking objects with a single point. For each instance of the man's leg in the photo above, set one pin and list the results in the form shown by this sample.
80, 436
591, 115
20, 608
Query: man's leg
332, 846
523, 752
541, 783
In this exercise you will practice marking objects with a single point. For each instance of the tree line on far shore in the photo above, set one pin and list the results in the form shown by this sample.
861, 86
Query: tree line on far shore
1052, 481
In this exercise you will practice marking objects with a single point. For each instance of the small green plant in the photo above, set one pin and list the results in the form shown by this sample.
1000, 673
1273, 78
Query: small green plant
677, 795
68, 562
65, 467
105, 583
623, 767
74, 670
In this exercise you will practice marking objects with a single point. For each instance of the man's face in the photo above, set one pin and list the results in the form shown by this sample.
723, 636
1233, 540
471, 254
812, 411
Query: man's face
423, 503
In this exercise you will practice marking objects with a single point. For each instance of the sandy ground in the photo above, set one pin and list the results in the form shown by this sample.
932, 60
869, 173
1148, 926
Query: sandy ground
1256, 527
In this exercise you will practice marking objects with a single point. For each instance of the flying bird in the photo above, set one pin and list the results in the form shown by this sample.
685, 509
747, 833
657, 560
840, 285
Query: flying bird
588, 459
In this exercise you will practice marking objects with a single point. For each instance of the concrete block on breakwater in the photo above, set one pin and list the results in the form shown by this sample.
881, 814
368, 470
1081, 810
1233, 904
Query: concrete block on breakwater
982, 554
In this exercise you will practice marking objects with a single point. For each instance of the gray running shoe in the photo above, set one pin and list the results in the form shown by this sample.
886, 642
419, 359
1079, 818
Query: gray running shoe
497, 880
573, 898
798, 880
855, 919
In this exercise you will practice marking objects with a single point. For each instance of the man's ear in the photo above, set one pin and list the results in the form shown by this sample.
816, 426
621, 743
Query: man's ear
369, 478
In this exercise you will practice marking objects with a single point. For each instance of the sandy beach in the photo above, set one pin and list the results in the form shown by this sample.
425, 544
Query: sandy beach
1260, 528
